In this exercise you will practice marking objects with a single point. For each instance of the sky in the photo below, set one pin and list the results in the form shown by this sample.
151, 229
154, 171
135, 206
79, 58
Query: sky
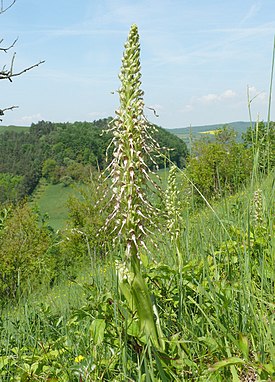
199, 59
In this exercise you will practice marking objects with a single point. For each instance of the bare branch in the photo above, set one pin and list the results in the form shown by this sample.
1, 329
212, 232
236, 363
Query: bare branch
3, 9
11, 46
2, 111
8, 74
8, 108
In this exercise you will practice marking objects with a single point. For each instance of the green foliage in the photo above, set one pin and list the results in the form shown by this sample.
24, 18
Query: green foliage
4, 212
20, 155
86, 217
62, 150
172, 147
223, 326
261, 139
24, 263
11, 187
49, 170
219, 167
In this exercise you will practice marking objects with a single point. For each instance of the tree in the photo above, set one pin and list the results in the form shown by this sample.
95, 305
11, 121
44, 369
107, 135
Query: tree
49, 170
7, 72
221, 166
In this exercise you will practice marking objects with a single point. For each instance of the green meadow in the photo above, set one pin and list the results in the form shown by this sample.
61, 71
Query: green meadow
52, 202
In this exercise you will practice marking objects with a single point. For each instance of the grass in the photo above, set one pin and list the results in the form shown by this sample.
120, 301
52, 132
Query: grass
83, 330
51, 200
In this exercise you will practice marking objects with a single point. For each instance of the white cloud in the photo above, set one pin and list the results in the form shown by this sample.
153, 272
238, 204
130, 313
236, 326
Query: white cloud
209, 98
228, 94
28, 119
214, 98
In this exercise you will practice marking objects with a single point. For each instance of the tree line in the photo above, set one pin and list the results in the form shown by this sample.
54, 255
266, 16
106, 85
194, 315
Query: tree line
64, 152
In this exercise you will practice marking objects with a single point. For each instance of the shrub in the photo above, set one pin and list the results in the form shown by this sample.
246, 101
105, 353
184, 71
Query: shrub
24, 262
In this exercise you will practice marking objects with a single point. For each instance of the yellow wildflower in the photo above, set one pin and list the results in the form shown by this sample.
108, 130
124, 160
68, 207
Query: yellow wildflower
79, 358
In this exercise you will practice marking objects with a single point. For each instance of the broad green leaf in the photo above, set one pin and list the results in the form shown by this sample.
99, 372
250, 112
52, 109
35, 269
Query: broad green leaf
226, 362
97, 329
133, 329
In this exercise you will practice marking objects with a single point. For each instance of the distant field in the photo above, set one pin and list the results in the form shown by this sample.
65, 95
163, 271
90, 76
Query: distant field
211, 132
52, 199
194, 132
13, 128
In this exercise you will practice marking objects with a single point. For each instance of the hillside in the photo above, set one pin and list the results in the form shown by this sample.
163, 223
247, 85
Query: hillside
194, 132
63, 152
17, 129
204, 304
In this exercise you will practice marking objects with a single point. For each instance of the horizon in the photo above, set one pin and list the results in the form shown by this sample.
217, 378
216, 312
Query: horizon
167, 128
197, 60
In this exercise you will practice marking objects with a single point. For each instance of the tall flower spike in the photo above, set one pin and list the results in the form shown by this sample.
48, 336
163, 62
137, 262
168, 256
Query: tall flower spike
133, 142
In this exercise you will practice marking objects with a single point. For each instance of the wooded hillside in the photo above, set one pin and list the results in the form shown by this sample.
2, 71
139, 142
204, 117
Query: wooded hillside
63, 152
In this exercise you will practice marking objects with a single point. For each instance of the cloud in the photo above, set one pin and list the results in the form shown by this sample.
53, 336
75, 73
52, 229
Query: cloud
213, 98
28, 119
228, 94
209, 98
196, 103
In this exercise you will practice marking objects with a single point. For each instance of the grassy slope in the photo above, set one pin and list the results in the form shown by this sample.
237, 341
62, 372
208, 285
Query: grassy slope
52, 200
216, 319
216, 309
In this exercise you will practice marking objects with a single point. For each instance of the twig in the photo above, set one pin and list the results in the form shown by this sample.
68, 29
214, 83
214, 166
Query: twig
2, 9
11, 46
2, 111
9, 74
